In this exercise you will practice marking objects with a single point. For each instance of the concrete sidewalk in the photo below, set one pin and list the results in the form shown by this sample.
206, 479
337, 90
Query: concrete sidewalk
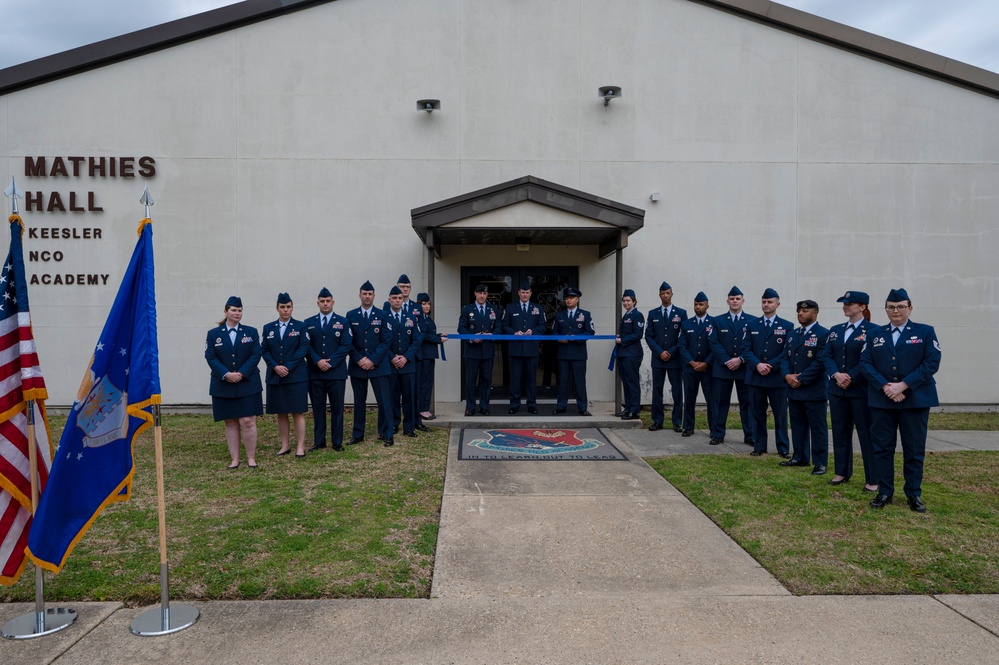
561, 562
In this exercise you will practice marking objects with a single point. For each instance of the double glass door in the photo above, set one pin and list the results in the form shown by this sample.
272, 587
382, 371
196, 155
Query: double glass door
548, 284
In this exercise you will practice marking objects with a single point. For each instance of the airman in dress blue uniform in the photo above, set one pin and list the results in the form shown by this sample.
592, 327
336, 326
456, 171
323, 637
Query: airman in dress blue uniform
695, 354
523, 318
427, 359
329, 346
762, 348
370, 362
848, 407
408, 306
631, 331
572, 355
803, 369
899, 362
662, 334
232, 351
284, 347
407, 338
728, 368
478, 318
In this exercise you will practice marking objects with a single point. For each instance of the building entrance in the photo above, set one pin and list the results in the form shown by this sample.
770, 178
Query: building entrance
547, 284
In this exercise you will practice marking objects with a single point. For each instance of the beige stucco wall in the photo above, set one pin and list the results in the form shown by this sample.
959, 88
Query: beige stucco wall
289, 154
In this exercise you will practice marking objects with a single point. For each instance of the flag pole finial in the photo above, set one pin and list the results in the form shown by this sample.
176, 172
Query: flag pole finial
146, 199
13, 192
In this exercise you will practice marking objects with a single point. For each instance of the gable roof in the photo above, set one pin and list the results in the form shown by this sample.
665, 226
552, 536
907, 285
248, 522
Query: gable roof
436, 223
234, 16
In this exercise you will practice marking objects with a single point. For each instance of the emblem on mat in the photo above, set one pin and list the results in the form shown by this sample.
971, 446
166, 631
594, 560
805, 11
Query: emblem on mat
538, 442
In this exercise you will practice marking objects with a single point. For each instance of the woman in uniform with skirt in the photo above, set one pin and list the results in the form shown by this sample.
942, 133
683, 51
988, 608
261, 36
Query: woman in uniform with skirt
232, 351
284, 345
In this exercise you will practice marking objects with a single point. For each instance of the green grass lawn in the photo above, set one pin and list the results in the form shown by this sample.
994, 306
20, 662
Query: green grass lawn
820, 539
362, 523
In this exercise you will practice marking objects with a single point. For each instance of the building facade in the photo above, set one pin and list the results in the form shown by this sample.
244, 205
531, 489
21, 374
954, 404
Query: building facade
285, 151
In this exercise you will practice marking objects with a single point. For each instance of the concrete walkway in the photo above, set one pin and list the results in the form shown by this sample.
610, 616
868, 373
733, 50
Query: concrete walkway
563, 562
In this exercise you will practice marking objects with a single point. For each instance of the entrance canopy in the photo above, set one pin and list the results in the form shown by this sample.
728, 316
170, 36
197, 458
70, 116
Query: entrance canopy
595, 221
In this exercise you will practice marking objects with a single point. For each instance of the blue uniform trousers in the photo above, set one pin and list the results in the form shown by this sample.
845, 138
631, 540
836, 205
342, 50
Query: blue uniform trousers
809, 431
659, 375
691, 382
319, 391
380, 386
573, 371
402, 396
425, 384
478, 374
911, 425
629, 368
759, 396
523, 380
723, 402
847, 413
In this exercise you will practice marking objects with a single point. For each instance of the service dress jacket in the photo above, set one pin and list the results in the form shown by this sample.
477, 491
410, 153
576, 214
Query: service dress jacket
223, 357
332, 344
514, 321
915, 359
290, 351
662, 333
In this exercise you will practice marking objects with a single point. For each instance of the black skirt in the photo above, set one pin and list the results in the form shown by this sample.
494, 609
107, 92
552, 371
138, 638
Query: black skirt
227, 408
288, 397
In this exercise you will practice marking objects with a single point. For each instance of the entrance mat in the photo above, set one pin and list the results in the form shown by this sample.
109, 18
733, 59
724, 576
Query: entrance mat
537, 444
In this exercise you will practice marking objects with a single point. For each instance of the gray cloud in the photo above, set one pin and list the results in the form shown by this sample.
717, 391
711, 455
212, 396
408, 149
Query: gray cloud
38, 28
963, 30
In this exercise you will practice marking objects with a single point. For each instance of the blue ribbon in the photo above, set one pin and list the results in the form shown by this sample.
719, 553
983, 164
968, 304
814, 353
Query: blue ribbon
535, 338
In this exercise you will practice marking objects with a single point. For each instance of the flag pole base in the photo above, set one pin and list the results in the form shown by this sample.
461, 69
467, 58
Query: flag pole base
33, 624
164, 620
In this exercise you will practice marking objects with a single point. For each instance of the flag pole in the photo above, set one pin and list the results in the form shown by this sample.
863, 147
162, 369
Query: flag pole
40, 622
165, 619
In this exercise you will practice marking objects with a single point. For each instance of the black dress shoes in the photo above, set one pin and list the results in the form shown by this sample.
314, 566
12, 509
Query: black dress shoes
584, 412
677, 428
315, 448
654, 427
791, 462
532, 410
410, 433
423, 428
715, 441
621, 414
469, 412
381, 437
916, 504
749, 442
819, 470
757, 453
558, 412
484, 412
355, 440
389, 442
840, 481
338, 448
630, 416
431, 417
880, 501
513, 410
687, 432
785, 455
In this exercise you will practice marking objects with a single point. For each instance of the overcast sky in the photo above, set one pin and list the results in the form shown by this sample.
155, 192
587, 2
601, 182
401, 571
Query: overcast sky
965, 30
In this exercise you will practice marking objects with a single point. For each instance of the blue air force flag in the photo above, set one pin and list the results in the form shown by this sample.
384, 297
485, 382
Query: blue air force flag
92, 466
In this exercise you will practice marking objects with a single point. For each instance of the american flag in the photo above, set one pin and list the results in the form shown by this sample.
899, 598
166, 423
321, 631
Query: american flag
20, 380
